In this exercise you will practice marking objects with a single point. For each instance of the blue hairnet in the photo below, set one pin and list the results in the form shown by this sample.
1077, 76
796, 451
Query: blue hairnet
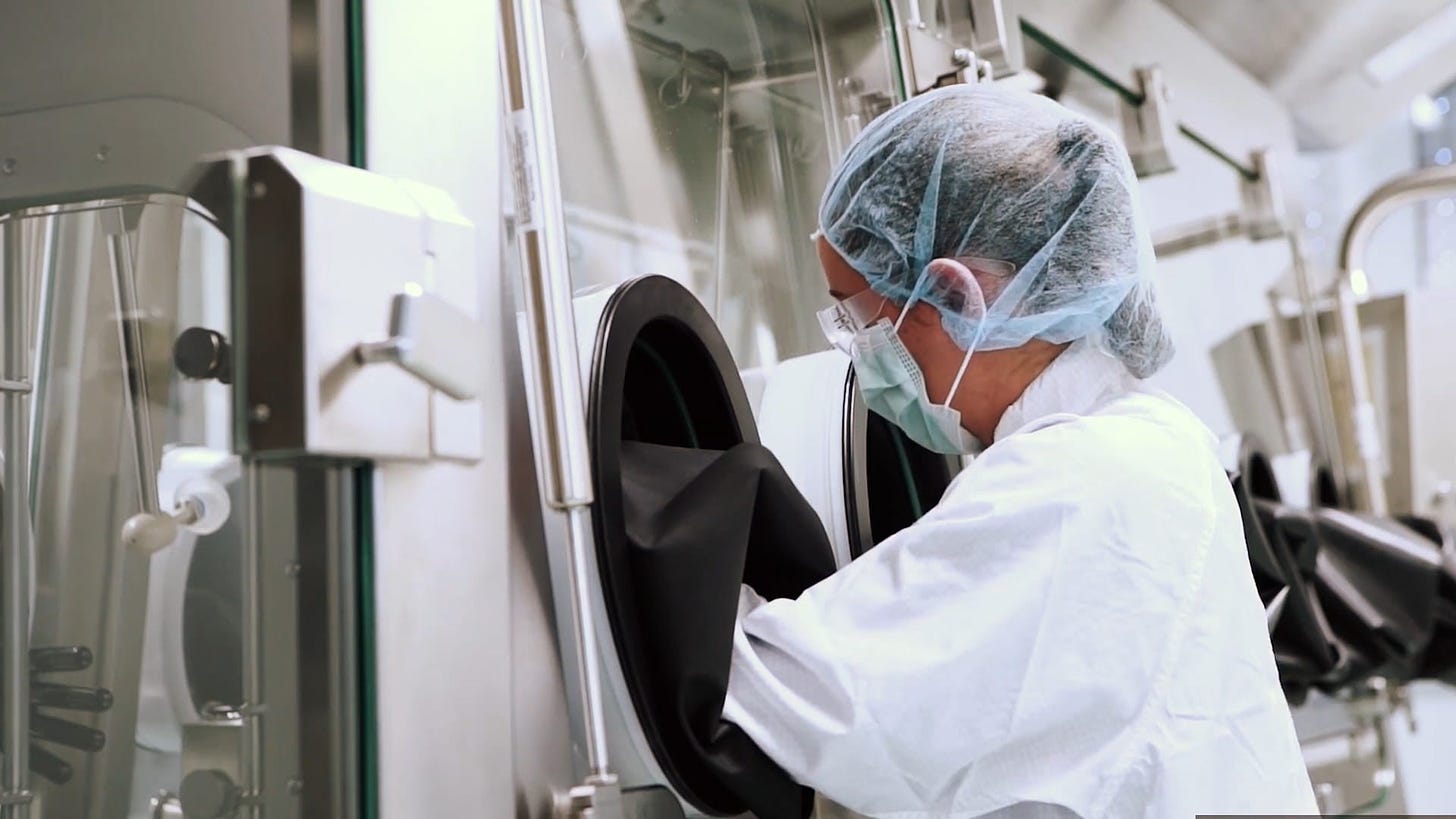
986, 172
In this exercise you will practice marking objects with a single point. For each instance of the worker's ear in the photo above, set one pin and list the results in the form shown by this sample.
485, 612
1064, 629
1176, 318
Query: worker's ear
955, 286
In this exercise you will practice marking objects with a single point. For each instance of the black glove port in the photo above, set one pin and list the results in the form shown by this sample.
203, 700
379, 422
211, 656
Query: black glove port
688, 507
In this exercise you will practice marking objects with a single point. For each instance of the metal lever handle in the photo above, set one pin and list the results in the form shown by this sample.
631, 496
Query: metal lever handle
434, 341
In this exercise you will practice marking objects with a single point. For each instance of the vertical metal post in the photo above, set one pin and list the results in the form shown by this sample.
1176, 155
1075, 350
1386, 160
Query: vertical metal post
1368, 443
1323, 410
252, 767
725, 182
1289, 406
133, 356
551, 339
15, 537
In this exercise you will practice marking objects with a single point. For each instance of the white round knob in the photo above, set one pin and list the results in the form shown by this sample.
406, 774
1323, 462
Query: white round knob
148, 533
210, 502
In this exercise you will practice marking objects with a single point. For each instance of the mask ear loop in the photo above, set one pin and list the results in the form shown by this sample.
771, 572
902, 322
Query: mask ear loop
974, 297
956, 384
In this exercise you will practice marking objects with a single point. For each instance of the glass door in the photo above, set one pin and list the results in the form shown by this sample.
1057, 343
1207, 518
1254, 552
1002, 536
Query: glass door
694, 142
135, 615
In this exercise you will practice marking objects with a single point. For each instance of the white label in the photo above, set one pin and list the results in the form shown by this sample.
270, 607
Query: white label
523, 171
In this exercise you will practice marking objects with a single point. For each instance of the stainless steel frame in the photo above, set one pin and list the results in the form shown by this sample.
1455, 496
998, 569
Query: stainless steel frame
564, 469
15, 797
317, 78
1396, 193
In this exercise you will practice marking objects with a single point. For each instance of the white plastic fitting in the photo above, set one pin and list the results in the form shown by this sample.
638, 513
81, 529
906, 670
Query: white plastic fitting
200, 505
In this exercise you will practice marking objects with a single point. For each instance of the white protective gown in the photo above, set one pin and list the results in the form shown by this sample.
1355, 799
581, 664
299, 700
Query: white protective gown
1073, 630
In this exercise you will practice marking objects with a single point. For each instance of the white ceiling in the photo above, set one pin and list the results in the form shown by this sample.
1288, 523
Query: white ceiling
1312, 55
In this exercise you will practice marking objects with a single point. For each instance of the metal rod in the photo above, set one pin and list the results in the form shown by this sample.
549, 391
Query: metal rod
250, 555
1200, 233
710, 68
15, 530
551, 336
765, 82
252, 638
725, 180
1323, 410
134, 366
1129, 94
1295, 436
1384, 200
1368, 440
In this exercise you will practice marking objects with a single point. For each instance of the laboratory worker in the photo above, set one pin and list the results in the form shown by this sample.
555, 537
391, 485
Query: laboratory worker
1074, 629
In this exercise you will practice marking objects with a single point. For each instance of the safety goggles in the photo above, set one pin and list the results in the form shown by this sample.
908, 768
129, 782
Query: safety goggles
846, 318
851, 316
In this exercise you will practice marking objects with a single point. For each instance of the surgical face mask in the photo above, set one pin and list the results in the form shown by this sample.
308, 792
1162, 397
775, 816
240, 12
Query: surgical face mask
890, 380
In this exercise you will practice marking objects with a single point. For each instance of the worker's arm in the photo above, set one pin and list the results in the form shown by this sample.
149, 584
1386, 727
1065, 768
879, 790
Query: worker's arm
982, 657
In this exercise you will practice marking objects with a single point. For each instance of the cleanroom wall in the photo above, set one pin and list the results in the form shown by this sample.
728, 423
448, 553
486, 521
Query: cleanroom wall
1205, 294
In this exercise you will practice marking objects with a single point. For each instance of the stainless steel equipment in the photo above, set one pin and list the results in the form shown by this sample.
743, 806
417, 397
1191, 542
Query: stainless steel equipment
1404, 340
1417, 185
692, 143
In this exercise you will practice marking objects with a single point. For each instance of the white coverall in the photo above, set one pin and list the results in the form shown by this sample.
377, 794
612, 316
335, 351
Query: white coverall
1073, 630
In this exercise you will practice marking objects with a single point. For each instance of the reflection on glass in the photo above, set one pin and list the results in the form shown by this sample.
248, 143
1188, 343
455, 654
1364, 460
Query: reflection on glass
132, 650
695, 139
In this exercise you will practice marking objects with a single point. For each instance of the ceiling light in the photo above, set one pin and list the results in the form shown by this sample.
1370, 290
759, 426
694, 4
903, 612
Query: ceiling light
1425, 114
1425, 39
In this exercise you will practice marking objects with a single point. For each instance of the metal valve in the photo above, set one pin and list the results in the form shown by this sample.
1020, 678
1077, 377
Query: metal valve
203, 355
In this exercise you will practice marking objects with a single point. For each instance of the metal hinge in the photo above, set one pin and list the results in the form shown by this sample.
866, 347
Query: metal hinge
599, 797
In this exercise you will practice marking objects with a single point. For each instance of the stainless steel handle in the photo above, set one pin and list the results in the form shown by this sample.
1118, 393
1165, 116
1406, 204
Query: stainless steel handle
551, 339
434, 341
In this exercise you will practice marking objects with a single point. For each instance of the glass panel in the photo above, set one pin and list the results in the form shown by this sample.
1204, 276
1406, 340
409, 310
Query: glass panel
133, 640
695, 140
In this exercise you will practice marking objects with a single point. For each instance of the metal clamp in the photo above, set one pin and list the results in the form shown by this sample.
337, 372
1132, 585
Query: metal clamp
996, 36
434, 341
9, 798
934, 63
16, 386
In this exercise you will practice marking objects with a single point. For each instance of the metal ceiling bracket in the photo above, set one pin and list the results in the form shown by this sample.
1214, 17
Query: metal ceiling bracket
996, 36
1262, 199
1148, 126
